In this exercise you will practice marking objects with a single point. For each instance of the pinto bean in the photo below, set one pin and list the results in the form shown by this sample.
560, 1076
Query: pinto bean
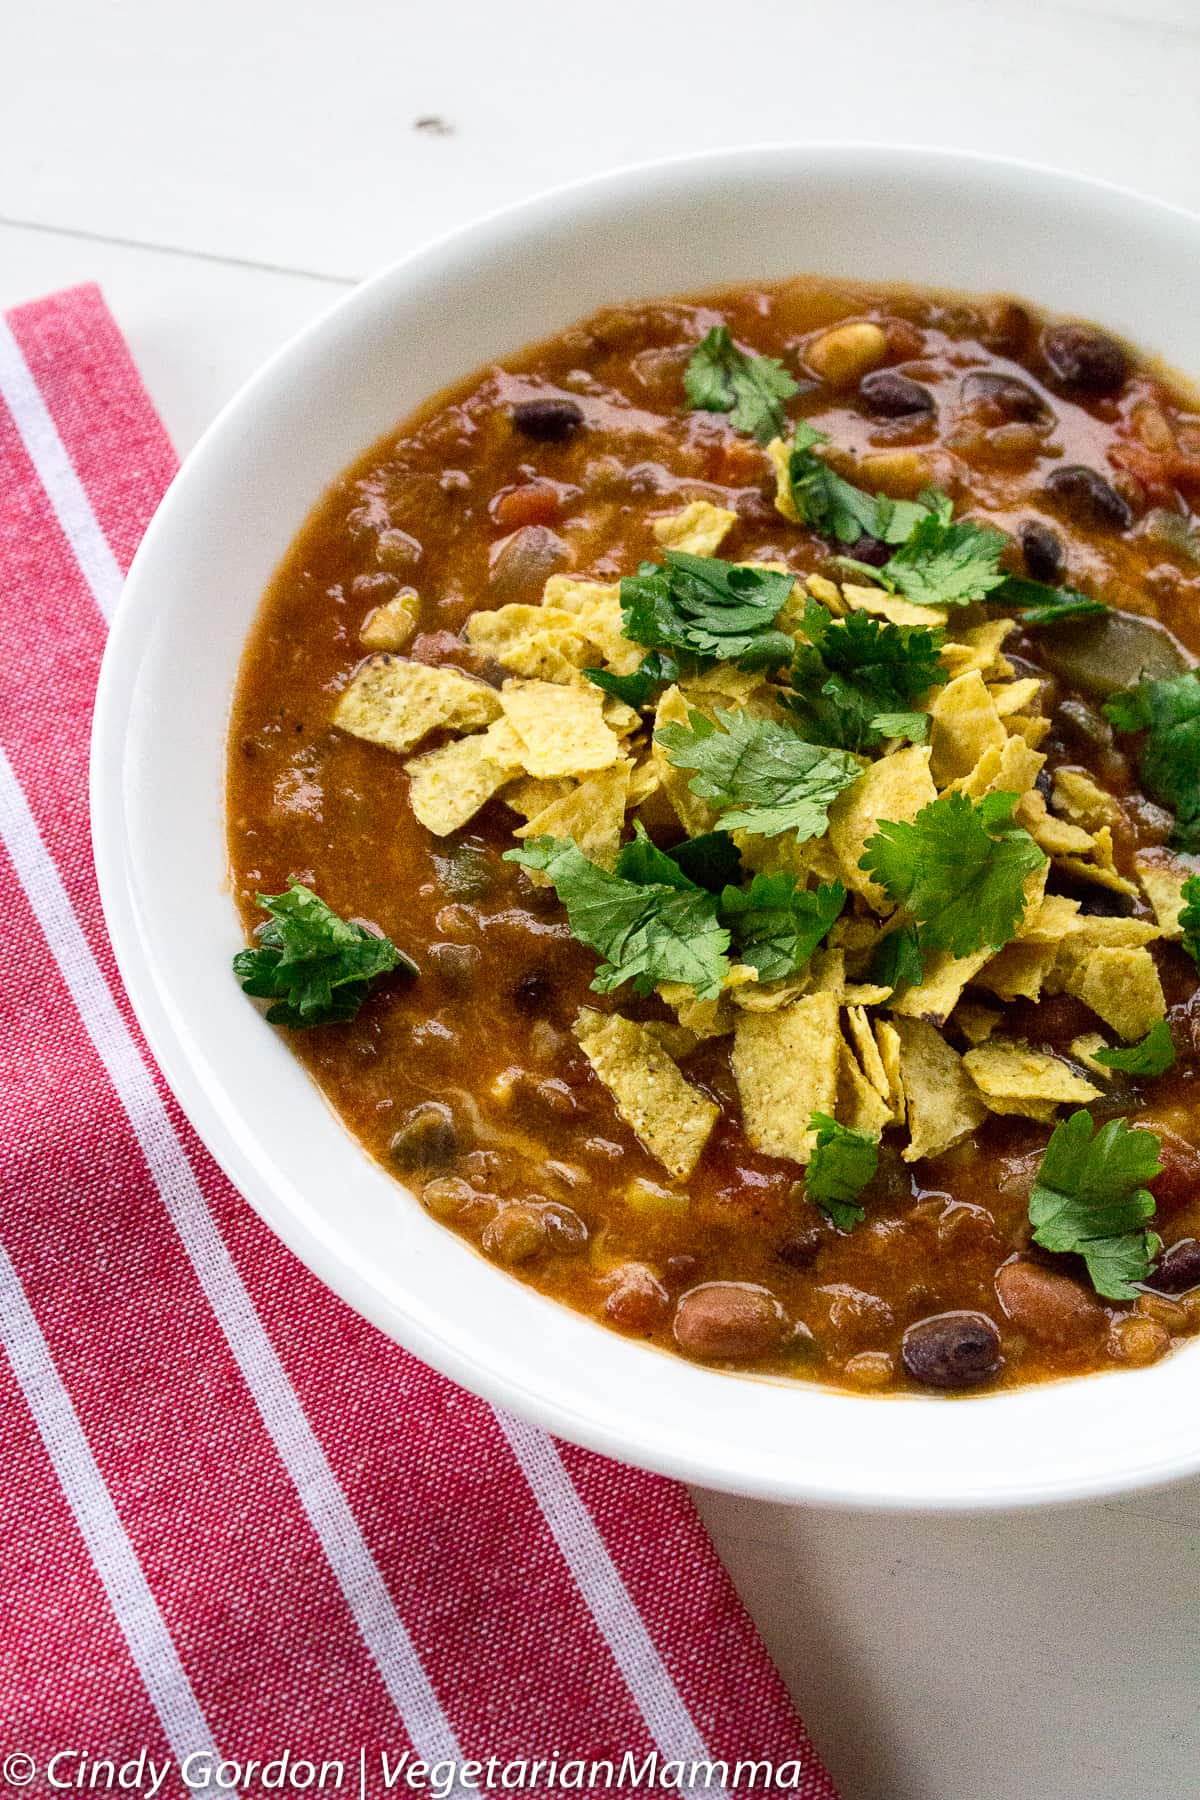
637, 1301
728, 1321
1085, 361
515, 1235
952, 1350
999, 398
1179, 1182
890, 395
1048, 1306
427, 1139
1088, 498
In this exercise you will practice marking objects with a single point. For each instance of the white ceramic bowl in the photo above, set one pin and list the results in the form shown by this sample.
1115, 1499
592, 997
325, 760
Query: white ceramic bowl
159, 753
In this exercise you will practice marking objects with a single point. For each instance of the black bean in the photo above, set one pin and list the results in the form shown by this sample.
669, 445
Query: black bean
1003, 395
800, 1249
428, 1138
533, 993
870, 550
1178, 1270
551, 421
890, 395
1044, 783
1080, 723
1105, 903
1042, 549
1085, 360
1088, 498
952, 1350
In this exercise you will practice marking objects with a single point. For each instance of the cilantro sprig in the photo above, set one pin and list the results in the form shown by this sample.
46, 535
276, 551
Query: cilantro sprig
1154, 1055
708, 608
315, 966
945, 563
1036, 603
720, 377
1189, 917
637, 689
959, 869
838, 509
843, 1163
777, 924
761, 776
852, 682
1090, 1199
1168, 711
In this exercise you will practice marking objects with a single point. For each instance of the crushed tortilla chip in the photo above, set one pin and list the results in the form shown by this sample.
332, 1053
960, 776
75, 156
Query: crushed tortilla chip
446, 787
936, 995
597, 609
1010, 697
562, 729
895, 788
397, 703
1076, 797
670, 1117
888, 1040
699, 529
827, 592
1019, 971
694, 814
1011, 768
860, 1105
892, 607
592, 814
541, 642
786, 1066
527, 796
979, 648
965, 725
1012, 1077
1084, 1049
943, 1105
976, 1022
862, 1039
1162, 878
1050, 920
390, 626
780, 453
704, 1018
676, 1040
644, 780
1121, 986
1099, 865
1058, 837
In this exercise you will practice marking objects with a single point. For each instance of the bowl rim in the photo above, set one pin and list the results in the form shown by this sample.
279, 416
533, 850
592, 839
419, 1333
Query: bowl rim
168, 1039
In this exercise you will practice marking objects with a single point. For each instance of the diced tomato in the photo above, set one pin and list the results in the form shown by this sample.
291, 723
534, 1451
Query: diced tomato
536, 504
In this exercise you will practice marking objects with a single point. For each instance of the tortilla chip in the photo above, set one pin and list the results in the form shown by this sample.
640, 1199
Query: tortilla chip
827, 592
1084, 1049
938, 993
786, 1066
895, 788
724, 685
541, 642
1019, 971
1049, 921
671, 1118
888, 1040
592, 814
644, 780
699, 529
676, 1040
943, 1106
704, 1018
1010, 769
1009, 697
1162, 878
815, 859
1099, 865
779, 453
891, 606
978, 647
1030, 727
976, 1022
862, 1039
1011, 1077
390, 626
864, 993
1097, 931
965, 725
396, 703
1078, 798
527, 796
695, 815
860, 1105
562, 729
1120, 985
446, 787
597, 609
1058, 837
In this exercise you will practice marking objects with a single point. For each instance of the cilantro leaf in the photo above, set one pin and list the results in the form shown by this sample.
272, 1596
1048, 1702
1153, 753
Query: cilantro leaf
843, 1163
1168, 711
1189, 917
959, 868
777, 924
1153, 1056
646, 919
850, 683
898, 961
1039, 604
711, 860
315, 966
721, 378
945, 564
1090, 1198
838, 509
637, 689
712, 609
761, 776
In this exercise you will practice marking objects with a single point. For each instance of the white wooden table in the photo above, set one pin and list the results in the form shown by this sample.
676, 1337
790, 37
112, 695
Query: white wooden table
224, 171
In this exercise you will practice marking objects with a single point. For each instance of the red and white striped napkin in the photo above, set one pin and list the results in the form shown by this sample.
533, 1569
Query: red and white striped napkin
235, 1521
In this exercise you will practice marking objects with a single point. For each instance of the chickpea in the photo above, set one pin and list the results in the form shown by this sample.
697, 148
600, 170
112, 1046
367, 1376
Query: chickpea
1139, 1340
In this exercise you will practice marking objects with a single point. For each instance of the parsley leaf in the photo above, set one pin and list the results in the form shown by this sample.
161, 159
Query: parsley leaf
1169, 712
777, 924
1040, 604
843, 1163
959, 868
898, 961
1189, 917
711, 860
1090, 1198
762, 776
721, 378
945, 564
637, 689
712, 609
838, 509
315, 966
646, 919
852, 680
1153, 1056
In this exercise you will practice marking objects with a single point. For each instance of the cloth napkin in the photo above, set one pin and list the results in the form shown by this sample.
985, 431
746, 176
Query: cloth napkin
236, 1522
